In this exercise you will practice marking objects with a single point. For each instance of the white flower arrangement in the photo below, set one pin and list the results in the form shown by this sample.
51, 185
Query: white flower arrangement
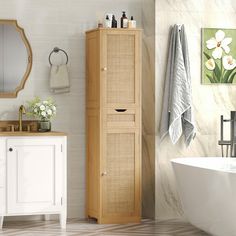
42, 110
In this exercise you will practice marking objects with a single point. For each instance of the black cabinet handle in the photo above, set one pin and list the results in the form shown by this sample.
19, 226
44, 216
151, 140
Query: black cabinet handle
121, 110
10, 149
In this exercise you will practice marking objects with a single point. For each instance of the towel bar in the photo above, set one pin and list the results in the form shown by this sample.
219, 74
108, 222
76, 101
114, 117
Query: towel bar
56, 50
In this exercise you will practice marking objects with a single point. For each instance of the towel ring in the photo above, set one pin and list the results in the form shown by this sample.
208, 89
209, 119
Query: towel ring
56, 50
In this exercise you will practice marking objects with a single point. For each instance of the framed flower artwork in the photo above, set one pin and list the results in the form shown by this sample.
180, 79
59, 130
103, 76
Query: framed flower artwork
218, 56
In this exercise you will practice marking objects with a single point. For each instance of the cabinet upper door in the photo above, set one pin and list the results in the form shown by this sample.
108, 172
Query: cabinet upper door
34, 175
121, 55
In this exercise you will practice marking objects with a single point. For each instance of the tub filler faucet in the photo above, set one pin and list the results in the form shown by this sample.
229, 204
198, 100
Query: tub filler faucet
230, 144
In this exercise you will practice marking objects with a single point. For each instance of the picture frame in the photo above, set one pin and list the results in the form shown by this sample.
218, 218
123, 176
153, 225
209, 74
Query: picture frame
218, 52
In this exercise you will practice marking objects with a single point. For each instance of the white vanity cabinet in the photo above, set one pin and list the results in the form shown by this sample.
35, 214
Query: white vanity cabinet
33, 176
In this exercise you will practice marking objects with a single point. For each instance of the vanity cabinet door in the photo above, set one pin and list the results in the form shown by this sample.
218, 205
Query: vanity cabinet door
2, 176
34, 175
2, 201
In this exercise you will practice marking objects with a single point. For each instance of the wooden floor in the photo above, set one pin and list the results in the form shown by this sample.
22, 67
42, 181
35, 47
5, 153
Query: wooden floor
75, 227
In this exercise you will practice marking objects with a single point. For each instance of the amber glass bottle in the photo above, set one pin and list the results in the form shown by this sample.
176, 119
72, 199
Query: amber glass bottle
124, 21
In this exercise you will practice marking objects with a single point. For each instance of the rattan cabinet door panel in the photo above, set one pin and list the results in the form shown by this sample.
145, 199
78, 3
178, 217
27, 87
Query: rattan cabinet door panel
120, 174
120, 69
121, 75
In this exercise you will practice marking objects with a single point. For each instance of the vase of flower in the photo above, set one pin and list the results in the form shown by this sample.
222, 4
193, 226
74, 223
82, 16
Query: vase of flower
43, 111
44, 125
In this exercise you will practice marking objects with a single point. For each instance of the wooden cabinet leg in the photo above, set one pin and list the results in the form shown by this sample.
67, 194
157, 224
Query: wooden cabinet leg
1, 221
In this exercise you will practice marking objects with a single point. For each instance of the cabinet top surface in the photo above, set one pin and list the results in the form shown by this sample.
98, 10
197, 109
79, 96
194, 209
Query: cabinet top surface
25, 133
114, 29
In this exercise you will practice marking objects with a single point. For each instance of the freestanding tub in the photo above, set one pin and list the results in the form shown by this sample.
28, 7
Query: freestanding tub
207, 189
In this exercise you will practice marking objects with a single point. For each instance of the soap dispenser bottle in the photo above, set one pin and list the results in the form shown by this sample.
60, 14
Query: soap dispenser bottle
114, 22
132, 23
124, 21
107, 22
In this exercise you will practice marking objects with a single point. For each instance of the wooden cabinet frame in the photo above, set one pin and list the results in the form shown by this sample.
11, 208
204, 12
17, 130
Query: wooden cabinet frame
116, 118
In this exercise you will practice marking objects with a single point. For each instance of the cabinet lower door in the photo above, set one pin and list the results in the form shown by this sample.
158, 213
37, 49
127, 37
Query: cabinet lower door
34, 175
121, 176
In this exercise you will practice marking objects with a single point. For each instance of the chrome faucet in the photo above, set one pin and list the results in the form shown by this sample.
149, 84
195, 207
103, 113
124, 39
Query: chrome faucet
231, 143
21, 112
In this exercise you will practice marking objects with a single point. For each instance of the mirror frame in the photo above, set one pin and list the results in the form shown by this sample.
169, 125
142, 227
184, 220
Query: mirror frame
21, 86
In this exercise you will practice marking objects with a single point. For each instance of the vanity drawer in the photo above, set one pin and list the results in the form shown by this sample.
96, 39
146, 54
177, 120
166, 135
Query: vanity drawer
121, 117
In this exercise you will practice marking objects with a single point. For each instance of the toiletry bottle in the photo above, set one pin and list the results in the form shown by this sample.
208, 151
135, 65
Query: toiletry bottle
114, 22
124, 21
129, 24
107, 22
110, 16
132, 23
100, 25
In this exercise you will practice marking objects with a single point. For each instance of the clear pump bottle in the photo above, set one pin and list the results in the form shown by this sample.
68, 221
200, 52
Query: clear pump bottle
107, 22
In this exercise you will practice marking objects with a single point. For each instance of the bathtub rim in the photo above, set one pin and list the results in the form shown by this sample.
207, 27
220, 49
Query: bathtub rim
184, 161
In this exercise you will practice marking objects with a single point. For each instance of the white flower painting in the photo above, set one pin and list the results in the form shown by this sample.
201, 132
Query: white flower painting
218, 55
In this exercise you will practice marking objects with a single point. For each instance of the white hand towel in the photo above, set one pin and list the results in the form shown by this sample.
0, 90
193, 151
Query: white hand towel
61, 90
59, 78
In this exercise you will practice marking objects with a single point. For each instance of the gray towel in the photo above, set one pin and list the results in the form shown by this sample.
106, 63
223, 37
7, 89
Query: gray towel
177, 114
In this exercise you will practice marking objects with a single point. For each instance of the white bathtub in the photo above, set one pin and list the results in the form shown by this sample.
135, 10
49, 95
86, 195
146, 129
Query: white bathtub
207, 189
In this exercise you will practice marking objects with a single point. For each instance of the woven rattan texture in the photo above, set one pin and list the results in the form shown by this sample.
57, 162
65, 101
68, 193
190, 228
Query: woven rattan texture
120, 166
121, 118
121, 69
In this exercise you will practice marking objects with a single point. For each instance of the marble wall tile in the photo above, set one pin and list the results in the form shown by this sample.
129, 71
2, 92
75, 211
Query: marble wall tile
148, 108
209, 101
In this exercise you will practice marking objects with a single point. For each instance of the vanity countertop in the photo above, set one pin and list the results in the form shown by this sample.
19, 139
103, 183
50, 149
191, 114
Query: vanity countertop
25, 133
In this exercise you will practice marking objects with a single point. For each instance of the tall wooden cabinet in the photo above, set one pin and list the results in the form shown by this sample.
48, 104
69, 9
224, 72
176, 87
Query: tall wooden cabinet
113, 116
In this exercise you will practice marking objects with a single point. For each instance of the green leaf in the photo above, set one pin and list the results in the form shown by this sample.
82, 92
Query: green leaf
227, 76
217, 73
210, 78
214, 78
206, 55
231, 79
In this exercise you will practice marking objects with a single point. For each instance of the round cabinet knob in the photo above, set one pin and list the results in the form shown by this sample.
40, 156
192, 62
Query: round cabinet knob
104, 69
104, 173
10, 149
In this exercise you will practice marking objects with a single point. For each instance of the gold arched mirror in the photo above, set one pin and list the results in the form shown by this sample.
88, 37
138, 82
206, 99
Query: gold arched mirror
15, 58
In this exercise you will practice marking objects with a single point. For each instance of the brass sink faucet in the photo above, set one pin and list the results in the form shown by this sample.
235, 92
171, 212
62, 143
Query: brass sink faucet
21, 112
